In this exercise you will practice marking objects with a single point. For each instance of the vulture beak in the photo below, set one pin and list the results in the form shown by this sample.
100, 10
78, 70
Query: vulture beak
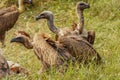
37, 18
17, 39
40, 16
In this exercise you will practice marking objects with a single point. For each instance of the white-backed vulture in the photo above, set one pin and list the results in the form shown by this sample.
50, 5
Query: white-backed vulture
80, 28
9, 16
49, 52
74, 43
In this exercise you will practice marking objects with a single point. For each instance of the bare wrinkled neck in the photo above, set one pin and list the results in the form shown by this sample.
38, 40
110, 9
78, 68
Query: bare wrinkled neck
28, 45
52, 26
80, 17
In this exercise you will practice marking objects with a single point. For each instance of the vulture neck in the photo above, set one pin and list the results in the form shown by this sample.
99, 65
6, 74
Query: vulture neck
28, 45
21, 7
81, 18
52, 26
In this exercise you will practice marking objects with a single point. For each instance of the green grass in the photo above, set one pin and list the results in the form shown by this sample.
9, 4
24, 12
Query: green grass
103, 17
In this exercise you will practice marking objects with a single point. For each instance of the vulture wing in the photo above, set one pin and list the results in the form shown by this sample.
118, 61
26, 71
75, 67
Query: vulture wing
45, 52
80, 48
8, 18
6, 10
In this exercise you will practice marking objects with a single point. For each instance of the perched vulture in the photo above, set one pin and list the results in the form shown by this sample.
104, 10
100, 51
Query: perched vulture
75, 44
9, 16
80, 28
49, 52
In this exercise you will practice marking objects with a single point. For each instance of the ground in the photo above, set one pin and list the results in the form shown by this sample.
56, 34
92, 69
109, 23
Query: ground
103, 17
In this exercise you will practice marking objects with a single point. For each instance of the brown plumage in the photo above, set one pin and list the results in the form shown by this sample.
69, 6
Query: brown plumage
80, 48
8, 18
49, 55
49, 52
74, 43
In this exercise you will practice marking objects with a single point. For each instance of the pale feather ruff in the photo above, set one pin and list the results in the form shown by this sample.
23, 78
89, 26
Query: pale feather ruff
84, 32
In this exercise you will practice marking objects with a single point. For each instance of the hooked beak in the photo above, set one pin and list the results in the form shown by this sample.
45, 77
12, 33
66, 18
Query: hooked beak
17, 39
38, 17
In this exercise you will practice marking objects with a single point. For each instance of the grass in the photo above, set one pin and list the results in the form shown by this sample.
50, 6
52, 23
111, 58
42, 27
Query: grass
103, 17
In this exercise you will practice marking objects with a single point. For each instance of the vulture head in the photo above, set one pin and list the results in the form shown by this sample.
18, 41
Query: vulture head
28, 2
48, 15
45, 15
82, 5
22, 38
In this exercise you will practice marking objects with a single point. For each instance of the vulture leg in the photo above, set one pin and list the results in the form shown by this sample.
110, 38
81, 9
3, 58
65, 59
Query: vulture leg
91, 37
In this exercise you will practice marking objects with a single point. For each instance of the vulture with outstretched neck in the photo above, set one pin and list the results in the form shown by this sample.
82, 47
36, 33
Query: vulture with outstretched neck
9, 16
50, 21
75, 44
49, 52
80, 28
